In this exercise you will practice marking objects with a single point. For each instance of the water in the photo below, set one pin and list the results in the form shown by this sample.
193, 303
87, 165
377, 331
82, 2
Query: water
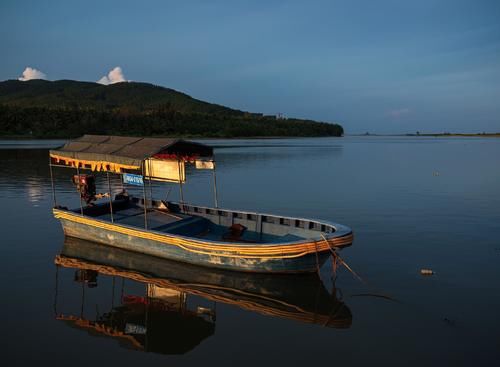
413, 203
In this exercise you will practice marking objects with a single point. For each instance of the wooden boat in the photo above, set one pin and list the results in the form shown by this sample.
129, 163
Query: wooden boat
301, 298
208, 236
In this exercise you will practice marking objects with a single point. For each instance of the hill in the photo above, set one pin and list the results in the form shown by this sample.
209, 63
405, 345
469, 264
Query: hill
75, 94
68, 108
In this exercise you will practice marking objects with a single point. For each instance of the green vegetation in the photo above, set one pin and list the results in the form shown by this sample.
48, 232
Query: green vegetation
67, 108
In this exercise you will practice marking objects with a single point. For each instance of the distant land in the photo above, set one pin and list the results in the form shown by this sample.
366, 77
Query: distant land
68, 108
495, 135
445, 134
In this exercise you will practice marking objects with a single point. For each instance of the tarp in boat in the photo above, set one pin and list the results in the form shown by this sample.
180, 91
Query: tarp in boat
118, 153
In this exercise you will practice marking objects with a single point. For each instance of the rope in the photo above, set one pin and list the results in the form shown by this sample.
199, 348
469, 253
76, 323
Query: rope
337, 256
317, 258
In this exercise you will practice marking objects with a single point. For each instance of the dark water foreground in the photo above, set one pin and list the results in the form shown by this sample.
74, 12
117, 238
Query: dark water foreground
413, 203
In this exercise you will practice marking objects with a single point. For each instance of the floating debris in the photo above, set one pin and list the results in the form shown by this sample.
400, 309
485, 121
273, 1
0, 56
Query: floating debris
375, 295
426, 272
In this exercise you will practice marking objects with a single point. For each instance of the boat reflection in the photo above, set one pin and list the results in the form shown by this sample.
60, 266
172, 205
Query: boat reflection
177, 309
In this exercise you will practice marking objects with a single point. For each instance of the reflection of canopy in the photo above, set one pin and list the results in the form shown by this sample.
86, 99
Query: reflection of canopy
117, 153
168, 332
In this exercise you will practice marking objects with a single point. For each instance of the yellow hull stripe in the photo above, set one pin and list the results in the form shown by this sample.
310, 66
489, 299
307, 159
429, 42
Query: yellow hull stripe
204, 248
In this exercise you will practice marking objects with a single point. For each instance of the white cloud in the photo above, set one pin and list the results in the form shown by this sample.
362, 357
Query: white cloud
114, 76
32, 73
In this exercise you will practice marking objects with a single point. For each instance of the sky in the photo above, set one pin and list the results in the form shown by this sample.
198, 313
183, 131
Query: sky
384, 66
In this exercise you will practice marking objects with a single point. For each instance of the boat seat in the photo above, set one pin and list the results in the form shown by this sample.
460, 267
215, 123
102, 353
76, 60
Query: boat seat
188, 226
100, 209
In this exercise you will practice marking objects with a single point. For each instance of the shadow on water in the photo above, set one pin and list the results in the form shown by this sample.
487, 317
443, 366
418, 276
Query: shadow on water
173, 306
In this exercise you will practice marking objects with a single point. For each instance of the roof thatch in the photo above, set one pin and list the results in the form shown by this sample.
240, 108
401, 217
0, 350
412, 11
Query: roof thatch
127, 151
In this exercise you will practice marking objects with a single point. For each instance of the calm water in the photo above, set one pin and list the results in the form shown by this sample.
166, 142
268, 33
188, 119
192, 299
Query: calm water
412, 202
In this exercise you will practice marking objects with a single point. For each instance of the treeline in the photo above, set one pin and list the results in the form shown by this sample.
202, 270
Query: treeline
68, 108
64, 122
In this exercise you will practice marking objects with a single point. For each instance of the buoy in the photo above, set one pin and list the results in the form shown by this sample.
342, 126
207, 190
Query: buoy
426, 272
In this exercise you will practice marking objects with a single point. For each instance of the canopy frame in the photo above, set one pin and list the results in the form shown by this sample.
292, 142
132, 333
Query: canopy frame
121, 155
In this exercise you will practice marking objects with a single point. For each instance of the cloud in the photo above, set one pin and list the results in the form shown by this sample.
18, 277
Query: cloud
114, 76
398, 112
32, 73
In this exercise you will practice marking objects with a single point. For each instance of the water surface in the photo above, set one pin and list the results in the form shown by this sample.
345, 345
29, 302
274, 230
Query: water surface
412, 202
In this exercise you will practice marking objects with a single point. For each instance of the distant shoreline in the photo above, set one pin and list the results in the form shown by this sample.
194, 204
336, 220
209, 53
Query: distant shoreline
486, 135
193, 137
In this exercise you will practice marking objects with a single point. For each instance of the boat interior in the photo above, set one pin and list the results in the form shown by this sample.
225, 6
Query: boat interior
218, 225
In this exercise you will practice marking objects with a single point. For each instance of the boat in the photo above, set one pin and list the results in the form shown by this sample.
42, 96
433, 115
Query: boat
178, 307
208, 236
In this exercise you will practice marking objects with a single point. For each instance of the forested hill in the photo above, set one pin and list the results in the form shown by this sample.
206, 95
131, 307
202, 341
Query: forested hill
68, 108
87, 95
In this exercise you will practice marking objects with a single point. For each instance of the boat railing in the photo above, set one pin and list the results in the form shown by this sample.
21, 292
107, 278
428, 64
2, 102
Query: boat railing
259, 222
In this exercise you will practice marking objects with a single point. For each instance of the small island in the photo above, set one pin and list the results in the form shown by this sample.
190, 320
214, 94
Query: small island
68, 108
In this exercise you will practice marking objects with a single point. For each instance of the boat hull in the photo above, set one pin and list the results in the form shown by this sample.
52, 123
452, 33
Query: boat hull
304, 264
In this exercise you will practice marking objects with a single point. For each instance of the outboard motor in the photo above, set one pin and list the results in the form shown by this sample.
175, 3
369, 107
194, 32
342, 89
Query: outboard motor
85, 184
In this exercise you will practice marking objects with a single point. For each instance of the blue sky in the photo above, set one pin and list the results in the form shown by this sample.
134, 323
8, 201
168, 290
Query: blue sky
385, 66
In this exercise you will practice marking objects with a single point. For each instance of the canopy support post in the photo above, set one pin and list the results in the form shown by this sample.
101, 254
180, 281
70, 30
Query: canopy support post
52, 182
216, 201
79, 193
144, 193
56, 291
113, 293
180, 184
83, 300
149, 180
110, 199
